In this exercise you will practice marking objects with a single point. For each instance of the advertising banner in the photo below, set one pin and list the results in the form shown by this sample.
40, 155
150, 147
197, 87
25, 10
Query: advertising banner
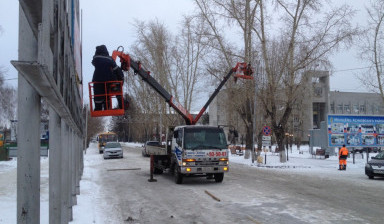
355, 130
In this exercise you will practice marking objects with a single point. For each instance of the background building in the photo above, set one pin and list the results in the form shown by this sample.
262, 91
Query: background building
311, 109
356, 103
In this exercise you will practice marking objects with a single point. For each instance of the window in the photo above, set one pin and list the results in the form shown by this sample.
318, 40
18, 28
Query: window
179, 139
153, 143
375, 109
204, 138
347, 109
113, 145
340, 108
355, 108
315, 80
362, 109
332, 108
318, 91
380, 109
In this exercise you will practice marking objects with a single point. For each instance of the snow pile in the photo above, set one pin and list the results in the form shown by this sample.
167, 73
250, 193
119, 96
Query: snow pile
304, 163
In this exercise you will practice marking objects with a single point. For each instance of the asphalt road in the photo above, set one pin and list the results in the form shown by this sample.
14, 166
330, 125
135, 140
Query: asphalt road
246, 195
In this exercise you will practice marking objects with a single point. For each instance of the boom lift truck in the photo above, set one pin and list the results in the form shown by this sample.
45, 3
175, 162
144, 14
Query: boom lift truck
190, 150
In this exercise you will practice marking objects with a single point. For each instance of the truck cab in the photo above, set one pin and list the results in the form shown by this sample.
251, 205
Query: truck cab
199, 150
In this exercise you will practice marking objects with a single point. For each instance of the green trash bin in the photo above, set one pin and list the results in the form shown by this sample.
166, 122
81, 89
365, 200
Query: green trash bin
4, 152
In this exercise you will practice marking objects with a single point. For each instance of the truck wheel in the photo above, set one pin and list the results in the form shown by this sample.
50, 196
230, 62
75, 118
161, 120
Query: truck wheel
219, 177
157, 171
178, 175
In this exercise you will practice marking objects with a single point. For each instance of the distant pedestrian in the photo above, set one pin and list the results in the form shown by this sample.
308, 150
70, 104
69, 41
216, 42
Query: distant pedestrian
343, 154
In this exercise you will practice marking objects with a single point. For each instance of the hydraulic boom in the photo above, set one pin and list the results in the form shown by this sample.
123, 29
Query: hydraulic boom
241, 70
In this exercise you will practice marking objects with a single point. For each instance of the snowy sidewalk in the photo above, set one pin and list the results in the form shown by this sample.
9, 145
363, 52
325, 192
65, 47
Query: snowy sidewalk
306, 164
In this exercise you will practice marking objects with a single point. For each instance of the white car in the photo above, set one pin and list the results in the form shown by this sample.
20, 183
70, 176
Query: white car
113, 150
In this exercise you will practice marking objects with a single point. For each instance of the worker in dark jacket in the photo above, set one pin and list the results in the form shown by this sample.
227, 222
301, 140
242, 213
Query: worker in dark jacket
343, 154
104, 67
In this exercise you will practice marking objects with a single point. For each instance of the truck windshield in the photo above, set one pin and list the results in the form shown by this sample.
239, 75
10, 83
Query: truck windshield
204, 138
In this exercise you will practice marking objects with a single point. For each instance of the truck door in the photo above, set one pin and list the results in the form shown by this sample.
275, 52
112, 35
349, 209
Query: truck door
178, 144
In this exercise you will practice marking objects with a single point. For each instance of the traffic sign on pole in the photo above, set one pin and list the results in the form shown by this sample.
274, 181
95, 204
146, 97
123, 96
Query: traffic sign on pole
267, 131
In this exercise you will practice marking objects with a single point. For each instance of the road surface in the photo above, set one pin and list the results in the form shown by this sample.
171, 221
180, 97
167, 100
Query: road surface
247, 195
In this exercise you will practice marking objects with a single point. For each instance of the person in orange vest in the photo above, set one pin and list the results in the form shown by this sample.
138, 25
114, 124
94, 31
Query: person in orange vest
343, 154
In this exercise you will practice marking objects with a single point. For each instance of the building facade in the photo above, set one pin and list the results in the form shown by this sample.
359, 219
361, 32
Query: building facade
356, 103
310, 110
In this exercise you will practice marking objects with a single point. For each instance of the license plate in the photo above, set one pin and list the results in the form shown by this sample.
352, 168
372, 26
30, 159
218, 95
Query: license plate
379, 171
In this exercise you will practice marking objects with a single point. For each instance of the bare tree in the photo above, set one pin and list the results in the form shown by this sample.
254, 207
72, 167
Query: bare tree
372, 48
190, 50
303, 40
95, 125
174, 62
8, 101
153, 47
241, 16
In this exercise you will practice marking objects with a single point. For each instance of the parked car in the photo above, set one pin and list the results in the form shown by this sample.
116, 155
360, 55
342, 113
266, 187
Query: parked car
144, 151
113, 150
375, 167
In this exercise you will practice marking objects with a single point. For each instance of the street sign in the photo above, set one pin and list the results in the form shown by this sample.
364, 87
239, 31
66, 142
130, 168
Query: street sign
267, 131
266, 142
266, 138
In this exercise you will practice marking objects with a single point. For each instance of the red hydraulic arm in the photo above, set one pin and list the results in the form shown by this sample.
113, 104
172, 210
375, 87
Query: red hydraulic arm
127, 63
241, 70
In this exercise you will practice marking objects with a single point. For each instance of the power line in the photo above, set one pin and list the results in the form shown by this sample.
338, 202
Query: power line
352, 69
10, 79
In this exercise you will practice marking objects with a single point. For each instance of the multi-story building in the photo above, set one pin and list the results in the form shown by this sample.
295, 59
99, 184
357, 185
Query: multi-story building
311, 109
356, 103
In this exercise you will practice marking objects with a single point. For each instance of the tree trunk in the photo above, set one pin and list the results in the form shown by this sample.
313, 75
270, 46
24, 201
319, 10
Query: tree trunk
248, 142
280, 137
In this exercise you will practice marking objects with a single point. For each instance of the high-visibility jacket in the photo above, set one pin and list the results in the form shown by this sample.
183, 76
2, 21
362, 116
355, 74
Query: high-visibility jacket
343, 152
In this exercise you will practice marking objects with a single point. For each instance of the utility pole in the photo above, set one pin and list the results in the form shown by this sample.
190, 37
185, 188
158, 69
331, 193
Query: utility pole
254, 118
254, 115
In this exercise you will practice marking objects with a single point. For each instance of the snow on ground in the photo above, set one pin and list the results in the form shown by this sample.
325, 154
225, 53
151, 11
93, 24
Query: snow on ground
8, 184
302, 162
90, 203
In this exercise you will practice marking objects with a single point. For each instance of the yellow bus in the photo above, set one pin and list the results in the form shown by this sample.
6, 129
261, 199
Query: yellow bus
105, 137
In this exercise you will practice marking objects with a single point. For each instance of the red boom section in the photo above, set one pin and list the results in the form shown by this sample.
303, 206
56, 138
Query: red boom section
127, 63
241, 70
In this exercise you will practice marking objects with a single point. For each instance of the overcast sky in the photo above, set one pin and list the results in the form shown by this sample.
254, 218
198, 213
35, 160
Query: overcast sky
112, 23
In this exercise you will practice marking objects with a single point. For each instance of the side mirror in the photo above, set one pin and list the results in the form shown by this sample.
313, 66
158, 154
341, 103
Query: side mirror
175, 134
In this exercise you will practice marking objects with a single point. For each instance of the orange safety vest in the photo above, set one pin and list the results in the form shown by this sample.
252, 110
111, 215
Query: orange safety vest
343, 151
